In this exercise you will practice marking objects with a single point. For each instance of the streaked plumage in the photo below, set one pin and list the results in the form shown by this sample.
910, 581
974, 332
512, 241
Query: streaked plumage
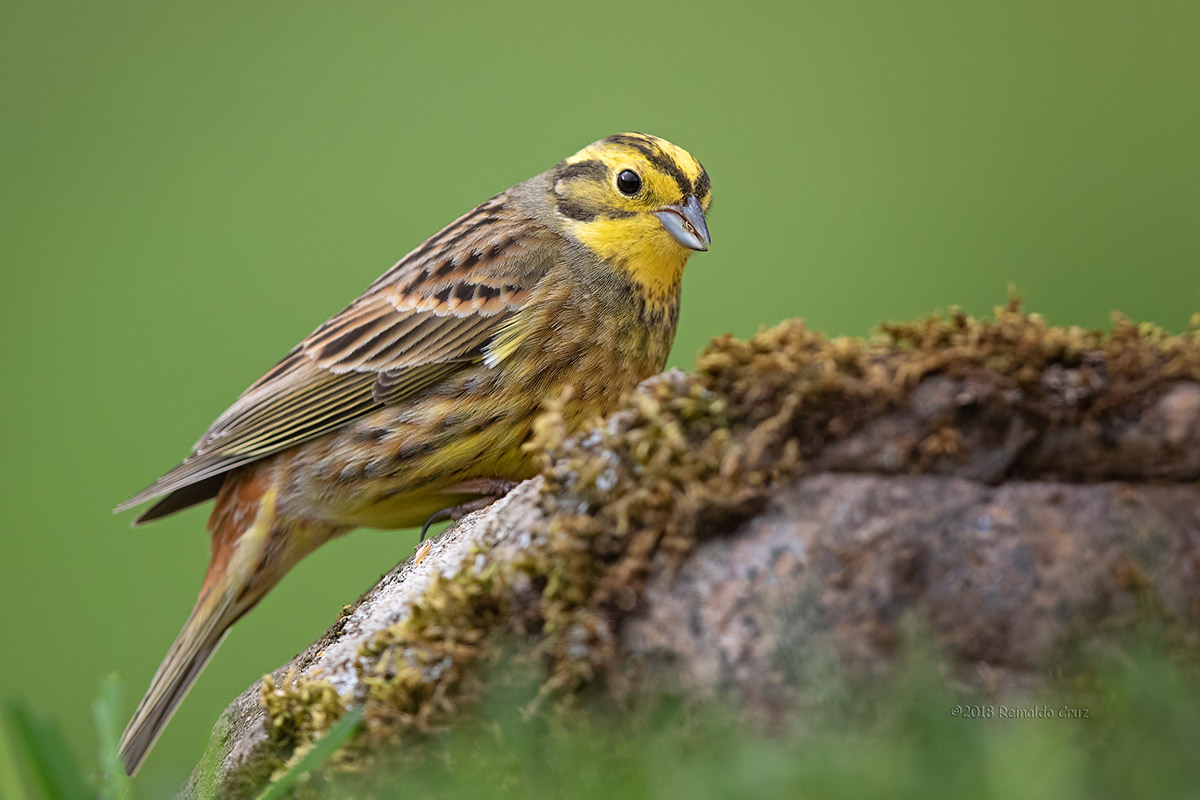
431, 380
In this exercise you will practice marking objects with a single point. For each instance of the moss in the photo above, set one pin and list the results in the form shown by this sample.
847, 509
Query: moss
299, 708
415, 673
689, 457
298, 711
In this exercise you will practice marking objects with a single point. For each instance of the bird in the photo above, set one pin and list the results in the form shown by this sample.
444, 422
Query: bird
418, 398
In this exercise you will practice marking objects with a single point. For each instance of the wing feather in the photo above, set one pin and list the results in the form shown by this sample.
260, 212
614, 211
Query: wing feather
433, 313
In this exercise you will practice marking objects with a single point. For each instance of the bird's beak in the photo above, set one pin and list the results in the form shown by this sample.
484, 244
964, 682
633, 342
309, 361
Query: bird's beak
685, 221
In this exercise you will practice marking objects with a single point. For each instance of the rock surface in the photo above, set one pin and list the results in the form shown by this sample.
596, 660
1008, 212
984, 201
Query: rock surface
1005, 577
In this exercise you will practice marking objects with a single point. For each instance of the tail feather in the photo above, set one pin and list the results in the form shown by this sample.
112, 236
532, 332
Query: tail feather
240, 525
251, 551
200, 637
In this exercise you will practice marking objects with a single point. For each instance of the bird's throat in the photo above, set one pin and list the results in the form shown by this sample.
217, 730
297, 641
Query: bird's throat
658, 274
642, 251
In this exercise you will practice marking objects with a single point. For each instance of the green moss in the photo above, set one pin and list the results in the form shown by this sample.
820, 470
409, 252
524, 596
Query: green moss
298, 711
416, 673
299, 708
687, 458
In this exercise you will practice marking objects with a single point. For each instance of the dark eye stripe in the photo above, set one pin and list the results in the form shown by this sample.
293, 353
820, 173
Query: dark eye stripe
617, 213
586, 213
584, 169
576, 210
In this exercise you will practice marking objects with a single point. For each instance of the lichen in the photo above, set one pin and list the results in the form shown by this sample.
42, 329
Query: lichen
689, 457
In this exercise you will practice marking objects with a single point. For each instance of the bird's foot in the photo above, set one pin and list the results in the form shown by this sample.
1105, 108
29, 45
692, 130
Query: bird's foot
489, 489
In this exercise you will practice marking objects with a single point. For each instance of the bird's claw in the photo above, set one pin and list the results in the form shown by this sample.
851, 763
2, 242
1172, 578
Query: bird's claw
490, 489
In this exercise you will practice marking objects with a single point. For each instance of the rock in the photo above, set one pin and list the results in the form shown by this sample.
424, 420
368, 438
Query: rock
1020, 488
1005, 576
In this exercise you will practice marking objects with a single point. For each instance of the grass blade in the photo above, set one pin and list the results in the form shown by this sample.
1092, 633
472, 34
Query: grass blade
42, 755
106, 711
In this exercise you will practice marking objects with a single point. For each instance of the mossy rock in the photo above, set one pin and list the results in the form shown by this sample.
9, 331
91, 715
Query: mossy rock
1024, 490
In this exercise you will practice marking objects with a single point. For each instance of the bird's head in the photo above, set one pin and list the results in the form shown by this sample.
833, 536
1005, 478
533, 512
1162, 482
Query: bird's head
636, 201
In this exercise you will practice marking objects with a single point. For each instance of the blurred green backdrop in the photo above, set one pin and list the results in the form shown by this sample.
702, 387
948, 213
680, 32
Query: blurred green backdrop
189, 189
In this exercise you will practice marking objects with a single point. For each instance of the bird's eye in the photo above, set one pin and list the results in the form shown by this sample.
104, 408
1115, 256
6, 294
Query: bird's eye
629, 182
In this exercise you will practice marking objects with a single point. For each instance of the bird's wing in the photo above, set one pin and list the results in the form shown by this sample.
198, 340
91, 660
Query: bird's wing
427, 317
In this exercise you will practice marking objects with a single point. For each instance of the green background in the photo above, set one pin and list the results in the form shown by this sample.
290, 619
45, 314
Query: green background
189, 190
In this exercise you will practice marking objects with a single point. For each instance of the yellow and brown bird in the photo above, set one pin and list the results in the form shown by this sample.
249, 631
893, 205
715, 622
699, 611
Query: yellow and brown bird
419, 396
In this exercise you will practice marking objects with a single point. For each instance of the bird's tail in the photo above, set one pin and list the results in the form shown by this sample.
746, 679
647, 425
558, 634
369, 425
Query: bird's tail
193, 647
245, 564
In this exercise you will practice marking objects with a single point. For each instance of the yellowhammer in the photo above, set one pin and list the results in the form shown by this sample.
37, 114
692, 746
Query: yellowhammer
419, 396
